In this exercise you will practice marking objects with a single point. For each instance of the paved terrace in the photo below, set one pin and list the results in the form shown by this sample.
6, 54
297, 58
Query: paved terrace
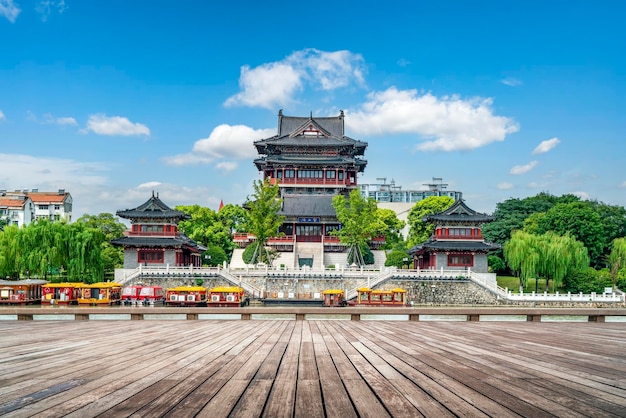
332, 368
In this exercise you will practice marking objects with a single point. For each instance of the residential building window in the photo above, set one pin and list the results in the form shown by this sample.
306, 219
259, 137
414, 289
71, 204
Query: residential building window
43, 207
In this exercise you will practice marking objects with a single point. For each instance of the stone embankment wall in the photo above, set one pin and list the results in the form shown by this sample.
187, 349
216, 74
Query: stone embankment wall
419, 292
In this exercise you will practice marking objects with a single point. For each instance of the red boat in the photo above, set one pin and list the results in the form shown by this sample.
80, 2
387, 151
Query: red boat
150, 295
60, 293
21, 292
130, 294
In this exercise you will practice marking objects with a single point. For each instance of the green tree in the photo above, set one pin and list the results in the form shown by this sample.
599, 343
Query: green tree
263, 219
398, 258
511, 214
214, 255
213, 229
9, 252
617, 258
587, 280
392, 227
421, 231
360, 222
548, 255
496, 264
112, 228
44, 246
522, 254
578, 219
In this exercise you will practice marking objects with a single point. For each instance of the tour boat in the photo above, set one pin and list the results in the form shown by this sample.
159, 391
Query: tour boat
102, 293
60, 293
333, 297
369, 297
130, 294
227, 296
186, 296
151, 295
21, 292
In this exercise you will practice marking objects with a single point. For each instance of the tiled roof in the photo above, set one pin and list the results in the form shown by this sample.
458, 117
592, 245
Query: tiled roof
331, 130
153, 208
458, 212
12, 203
307, 205
47, 197
178, 241
454, 245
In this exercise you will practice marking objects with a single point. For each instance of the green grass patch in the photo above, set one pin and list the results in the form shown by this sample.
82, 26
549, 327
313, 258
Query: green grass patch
512, 283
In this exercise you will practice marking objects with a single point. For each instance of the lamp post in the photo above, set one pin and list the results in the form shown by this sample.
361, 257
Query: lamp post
432, 290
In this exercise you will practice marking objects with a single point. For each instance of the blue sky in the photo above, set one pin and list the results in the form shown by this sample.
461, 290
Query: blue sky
111, 100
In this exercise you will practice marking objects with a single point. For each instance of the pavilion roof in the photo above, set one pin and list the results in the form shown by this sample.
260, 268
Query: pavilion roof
153, 208
178, 241
458, 212
453, 245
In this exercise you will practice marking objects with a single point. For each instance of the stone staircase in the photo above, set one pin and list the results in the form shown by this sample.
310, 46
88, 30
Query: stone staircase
313, 250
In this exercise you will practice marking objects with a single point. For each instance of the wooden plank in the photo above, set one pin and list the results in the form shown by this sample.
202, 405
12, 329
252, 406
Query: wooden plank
281, 400
343, 368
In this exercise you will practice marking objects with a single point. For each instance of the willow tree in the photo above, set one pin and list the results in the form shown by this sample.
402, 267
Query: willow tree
41, 245
562, 255
617, 258
84, 257
549, 255
263, 219
359, 223
522, 254
9, 252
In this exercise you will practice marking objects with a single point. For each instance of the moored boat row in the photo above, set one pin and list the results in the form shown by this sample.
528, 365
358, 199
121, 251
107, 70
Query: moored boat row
23, 292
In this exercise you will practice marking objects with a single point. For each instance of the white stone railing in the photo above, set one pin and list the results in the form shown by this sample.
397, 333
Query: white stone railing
565, 297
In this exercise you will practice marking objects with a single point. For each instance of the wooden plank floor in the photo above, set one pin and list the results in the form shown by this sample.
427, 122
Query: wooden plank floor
325, 368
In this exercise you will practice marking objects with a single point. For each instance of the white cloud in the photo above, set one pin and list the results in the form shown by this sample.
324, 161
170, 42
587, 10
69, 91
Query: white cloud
20, 171
504, 186
276, 83
224, 142
511, 81
149, 185
48, 119
523, 169
546, 145
115, 125
448, 123
623, 185
226, 166
9, 9
46, 7
2, 117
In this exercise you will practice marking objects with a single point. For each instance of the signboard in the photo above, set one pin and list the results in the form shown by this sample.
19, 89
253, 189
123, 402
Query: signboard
309, 220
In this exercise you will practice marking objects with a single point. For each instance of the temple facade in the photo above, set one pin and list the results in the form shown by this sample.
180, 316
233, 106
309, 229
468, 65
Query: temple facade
154, 239
457, 242
312, 160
